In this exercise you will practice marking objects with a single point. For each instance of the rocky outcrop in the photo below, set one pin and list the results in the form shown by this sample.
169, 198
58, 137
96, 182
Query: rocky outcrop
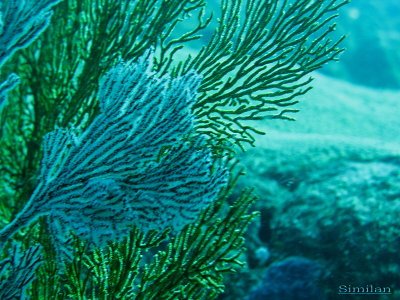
329, 186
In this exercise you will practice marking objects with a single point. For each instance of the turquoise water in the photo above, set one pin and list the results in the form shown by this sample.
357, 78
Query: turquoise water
120, 153
329, 182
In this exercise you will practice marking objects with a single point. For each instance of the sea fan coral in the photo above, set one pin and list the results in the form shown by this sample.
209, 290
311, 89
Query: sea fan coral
138, 163
20, 23
18, 270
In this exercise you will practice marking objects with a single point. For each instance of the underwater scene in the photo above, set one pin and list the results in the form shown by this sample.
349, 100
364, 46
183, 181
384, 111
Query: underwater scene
200, 149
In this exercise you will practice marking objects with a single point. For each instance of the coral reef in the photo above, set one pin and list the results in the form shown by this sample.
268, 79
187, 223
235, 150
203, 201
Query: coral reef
121, 164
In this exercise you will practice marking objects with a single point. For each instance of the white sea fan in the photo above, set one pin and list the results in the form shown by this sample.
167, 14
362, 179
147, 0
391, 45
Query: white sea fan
17, 271
138, 163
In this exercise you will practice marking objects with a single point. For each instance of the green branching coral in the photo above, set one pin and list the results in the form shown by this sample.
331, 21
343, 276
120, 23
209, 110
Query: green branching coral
255, 66
150, 265
195, 262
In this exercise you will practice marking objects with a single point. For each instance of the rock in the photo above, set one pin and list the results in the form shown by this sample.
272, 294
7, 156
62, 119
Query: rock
294, 278
329, 185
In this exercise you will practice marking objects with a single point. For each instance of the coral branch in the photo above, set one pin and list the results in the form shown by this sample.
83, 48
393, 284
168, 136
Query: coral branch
138, 163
